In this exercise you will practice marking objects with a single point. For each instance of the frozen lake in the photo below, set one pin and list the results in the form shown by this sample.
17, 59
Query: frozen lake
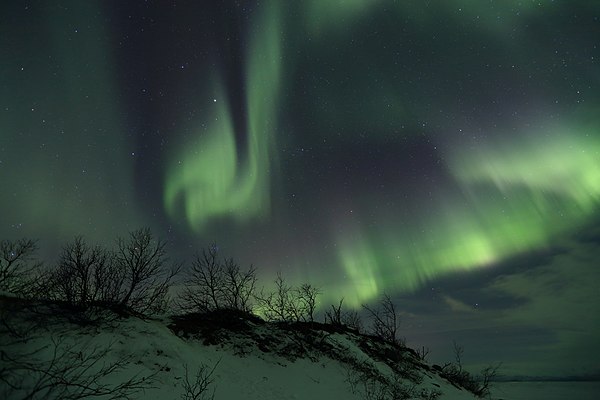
546, 390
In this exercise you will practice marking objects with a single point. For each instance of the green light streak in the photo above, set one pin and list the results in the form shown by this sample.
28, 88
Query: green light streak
517, 198
321, 16
566, 164
362, 269
206, 176
264, 85
512, 198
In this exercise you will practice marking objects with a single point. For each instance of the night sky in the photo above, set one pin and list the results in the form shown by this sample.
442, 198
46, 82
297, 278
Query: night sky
444, 152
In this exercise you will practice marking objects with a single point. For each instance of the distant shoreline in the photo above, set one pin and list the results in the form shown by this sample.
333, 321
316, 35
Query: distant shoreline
585, 378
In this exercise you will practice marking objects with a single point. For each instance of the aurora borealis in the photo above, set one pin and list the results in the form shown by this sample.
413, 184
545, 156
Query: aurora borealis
444, 152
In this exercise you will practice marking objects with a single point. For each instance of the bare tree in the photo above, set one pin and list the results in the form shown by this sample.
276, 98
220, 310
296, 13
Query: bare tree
334, 316
198, 388
455, 373
79, 276
109, 282
287, 303
306, 300
485, 379
352, 319
203, 291
385, 320
238, 286
134, 278
214, 284
339, 317
458, 354
146, 282
278, 304
422, 353
17, 262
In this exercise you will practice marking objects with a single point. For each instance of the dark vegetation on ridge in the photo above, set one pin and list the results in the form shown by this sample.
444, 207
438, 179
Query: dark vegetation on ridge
217, 302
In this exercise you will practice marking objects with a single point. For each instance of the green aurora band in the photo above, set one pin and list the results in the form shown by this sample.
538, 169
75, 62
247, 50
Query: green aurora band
324, 17
517, 198
206, 176
512, 197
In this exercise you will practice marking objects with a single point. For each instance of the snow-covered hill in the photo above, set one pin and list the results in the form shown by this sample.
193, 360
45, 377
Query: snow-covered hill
49, 353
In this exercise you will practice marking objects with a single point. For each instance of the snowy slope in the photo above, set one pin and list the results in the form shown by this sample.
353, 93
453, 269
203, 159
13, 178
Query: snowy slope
254, 360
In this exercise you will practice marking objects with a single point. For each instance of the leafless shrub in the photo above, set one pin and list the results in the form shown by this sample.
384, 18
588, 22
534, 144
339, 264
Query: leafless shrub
339, 317
458, 354
385, 320
455, 373
214, 284
422, 353
203, 291
287, 303
334, 316
306, 298
17, 262
396, 389
278, 305
365, 382
198, 388
239, 286
80, 275
485, 379
133, 279
146, 280
352, 319
373, 386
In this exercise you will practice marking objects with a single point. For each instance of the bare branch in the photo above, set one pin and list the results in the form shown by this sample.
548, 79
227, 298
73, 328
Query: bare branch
78, 278
238, 286
198, 388
423, 352
339, 317
61, 371
213, 284
458, 353
146, 282
385, 320
334, 317
17, 262
278, 304
306, 296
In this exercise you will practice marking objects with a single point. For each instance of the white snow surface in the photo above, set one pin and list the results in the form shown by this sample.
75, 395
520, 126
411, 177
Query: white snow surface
243, 370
